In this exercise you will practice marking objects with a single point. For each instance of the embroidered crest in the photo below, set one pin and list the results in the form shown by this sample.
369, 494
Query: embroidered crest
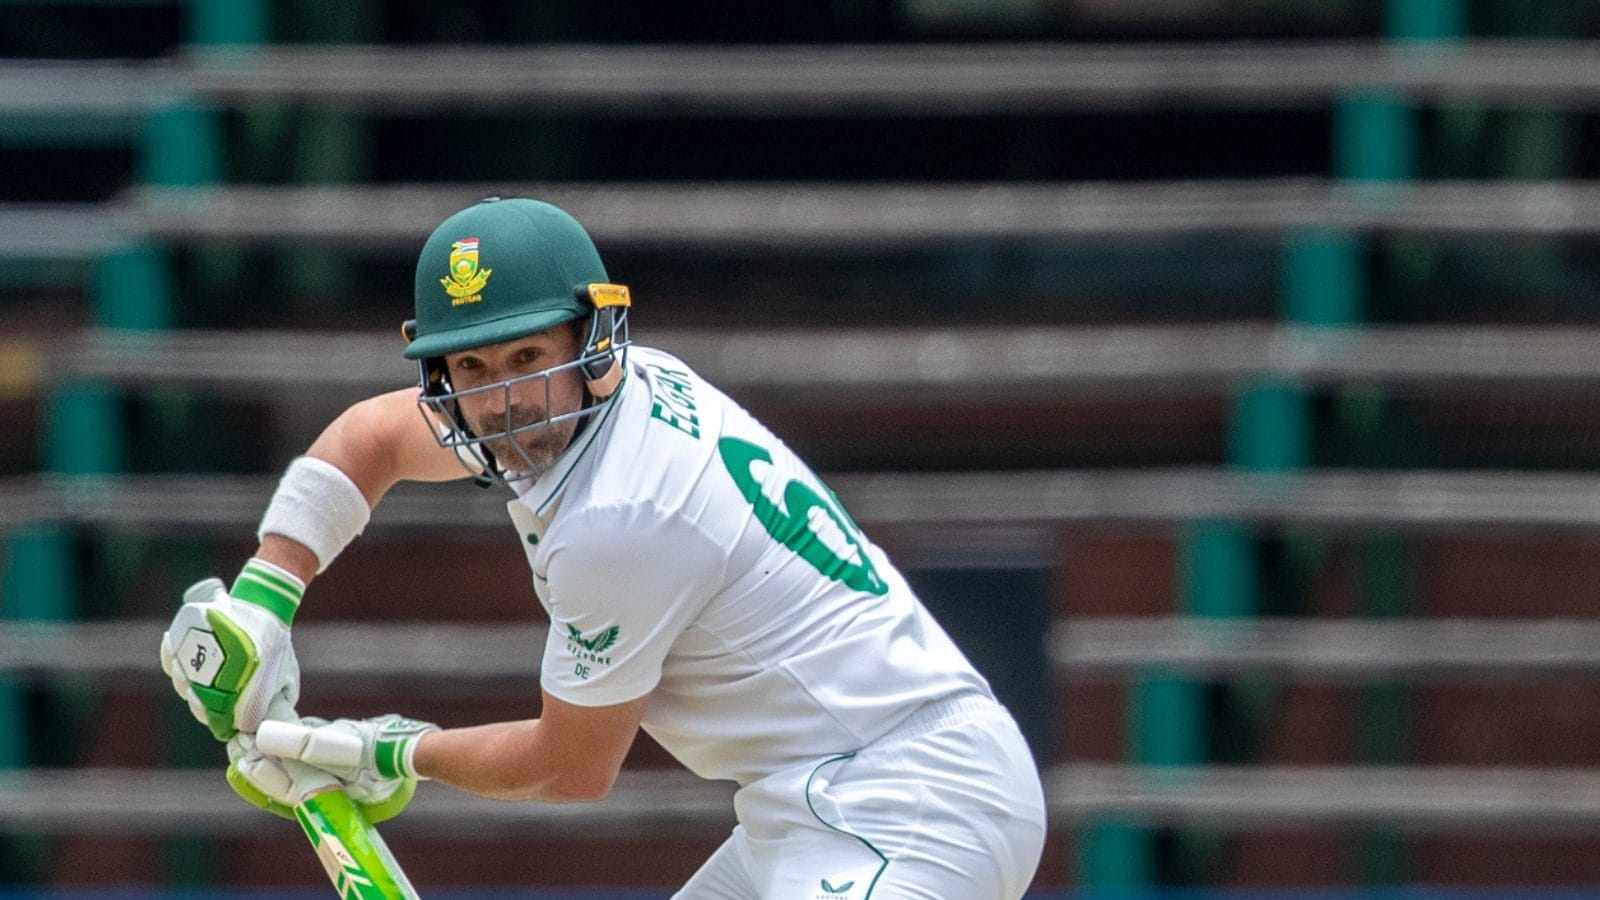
466, 280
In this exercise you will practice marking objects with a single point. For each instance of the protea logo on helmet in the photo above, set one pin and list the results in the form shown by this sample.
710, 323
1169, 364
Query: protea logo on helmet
466, 279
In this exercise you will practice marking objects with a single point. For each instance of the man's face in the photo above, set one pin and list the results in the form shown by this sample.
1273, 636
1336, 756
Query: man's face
504, 408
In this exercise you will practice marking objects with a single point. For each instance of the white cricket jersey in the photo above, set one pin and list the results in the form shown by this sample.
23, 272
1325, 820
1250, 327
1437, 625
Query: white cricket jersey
681, 549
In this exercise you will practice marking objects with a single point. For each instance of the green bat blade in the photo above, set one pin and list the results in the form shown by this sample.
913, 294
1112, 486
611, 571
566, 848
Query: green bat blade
357, 861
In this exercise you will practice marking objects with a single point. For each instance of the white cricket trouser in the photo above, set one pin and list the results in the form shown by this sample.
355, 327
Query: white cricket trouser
947, 806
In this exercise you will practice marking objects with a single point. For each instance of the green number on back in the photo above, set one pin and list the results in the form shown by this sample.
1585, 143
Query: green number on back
794, 523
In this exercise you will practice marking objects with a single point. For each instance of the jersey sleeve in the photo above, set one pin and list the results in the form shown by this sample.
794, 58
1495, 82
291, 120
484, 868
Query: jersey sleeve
624, 582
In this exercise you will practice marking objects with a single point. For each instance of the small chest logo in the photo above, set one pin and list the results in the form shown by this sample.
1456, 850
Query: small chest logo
831, 891
466, 280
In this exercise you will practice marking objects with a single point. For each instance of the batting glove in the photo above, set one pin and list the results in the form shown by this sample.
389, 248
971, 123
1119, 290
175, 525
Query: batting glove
372, 757
228, 654
279, 785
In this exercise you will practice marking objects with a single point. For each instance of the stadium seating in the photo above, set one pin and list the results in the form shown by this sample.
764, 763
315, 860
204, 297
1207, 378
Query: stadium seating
1231, 400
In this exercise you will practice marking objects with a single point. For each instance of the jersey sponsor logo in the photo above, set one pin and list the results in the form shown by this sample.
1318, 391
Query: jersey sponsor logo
831, 891
592, 649
596, 644
589, 652
811, 524
674, 403
465, 281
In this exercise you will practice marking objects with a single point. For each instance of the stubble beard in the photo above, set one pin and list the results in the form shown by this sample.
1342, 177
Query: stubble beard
539, 447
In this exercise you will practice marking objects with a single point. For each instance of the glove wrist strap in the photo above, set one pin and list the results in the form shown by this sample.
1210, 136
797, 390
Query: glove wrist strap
395, 756
408, 756
271, 587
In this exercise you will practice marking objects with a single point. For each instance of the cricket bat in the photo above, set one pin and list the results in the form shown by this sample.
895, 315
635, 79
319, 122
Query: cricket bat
352, 852
354, 855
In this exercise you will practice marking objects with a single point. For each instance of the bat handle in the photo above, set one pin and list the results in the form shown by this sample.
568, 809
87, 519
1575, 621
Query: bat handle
352, 852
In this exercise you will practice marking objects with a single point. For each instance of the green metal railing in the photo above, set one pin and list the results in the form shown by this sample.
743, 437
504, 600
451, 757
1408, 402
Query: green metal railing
178, 143
1173, 721
1324, 282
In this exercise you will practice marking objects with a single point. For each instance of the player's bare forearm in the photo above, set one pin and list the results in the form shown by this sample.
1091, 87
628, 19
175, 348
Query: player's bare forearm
290, 554
500, 761
570, 755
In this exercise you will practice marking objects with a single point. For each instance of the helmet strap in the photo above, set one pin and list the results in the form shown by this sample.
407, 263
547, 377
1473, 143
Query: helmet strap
606, 385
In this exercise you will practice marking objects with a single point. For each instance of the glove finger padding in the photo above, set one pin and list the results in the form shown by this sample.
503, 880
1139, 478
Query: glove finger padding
180, 684
279, 785
371, 756
275, 785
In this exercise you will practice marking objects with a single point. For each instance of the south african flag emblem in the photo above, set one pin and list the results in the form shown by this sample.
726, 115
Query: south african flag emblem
466, 280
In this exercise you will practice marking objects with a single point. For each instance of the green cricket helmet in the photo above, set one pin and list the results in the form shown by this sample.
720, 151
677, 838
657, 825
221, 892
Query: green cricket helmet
501, 270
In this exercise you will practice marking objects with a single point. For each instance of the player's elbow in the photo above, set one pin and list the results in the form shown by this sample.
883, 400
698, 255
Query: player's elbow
566, 787
576, 784
579, 787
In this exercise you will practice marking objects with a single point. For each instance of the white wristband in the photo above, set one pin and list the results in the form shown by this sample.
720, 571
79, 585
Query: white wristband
318, 506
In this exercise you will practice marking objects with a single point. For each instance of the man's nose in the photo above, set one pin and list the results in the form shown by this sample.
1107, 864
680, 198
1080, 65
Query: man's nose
498, 400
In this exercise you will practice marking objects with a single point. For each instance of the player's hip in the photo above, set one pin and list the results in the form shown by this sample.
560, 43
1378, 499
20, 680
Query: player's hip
965, 740
949, 795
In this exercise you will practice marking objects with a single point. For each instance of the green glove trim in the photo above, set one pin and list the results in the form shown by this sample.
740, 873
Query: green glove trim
240, 659
262, 584
388, 809
388, 757
394, 743
239, 662
219, 710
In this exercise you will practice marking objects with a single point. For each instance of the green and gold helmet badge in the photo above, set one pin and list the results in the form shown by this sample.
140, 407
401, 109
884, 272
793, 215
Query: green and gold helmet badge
466, 279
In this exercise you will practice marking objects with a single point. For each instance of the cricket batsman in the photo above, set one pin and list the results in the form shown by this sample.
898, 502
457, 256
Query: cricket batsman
702, 584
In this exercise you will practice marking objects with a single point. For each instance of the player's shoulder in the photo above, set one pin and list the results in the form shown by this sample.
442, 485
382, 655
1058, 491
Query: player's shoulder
655, 445
667, 427
669, 382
